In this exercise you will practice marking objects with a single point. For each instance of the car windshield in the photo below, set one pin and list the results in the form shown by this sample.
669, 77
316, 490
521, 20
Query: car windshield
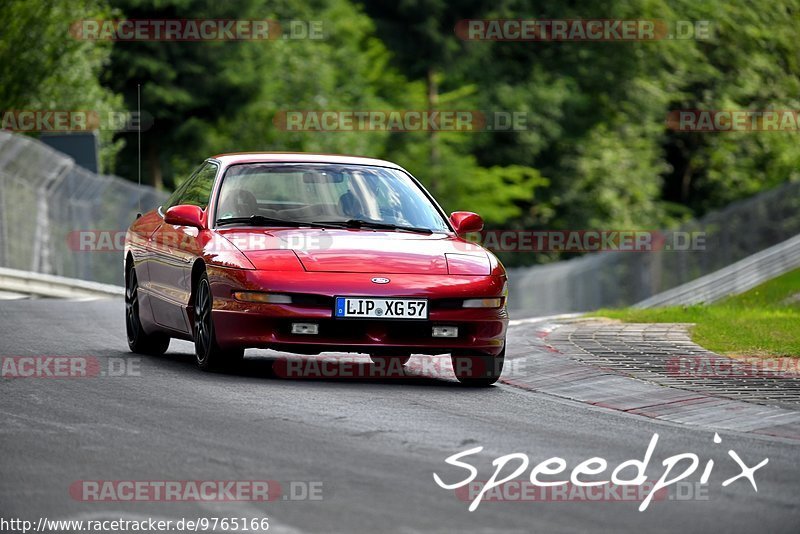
325, 194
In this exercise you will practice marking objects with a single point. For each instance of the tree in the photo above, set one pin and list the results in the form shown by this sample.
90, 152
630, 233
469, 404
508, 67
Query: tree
44, 68
186, 86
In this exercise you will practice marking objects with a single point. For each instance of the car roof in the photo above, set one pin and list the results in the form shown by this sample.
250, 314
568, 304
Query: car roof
300, 157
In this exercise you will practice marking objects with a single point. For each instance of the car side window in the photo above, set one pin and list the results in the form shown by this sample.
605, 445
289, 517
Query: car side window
175, 196
198, 188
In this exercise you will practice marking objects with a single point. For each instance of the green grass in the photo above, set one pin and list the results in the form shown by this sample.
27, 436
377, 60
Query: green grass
764, 321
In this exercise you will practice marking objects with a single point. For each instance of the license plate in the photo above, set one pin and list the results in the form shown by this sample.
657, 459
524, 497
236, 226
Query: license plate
380, 308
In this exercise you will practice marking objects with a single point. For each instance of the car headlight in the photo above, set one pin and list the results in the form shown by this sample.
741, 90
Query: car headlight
494, 302
268, 298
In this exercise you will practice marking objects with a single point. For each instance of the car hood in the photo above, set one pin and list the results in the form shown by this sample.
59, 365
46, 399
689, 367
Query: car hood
360, 250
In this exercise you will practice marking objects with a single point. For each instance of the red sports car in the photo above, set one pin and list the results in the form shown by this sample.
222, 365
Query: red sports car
308, 253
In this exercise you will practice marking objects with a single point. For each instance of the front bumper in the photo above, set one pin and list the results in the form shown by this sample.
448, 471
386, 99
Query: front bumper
245, 324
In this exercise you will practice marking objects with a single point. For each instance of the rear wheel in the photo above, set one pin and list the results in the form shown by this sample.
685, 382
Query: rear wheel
208, 355
138, 340
478, 370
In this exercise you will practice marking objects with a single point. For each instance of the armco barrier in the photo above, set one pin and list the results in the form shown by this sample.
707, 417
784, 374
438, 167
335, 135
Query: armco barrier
734, 279
44, 196
613, 279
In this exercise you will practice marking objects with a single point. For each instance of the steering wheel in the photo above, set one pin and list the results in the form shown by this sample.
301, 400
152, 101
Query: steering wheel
350, 205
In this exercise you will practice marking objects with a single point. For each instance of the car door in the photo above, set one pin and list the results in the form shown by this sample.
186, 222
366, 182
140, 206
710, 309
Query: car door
174, 249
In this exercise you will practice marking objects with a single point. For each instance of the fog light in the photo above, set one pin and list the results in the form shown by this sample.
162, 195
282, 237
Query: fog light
269, 298
445, 331
305, 328
483, 303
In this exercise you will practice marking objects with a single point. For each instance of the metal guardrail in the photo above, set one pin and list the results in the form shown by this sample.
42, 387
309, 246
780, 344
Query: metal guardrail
615, 279
47, 285
733, 279
46, 200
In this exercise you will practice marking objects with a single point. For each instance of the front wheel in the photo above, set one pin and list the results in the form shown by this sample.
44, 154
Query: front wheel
208, 355
140, 341
478, 370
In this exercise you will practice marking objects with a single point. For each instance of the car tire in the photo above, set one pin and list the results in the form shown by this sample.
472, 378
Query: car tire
208, 355
140, 341
478, 370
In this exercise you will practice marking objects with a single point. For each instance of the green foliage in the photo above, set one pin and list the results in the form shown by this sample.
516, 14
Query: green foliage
459, 183
348, 70
752, 62
596, 152
614, 179
186, 86
759, 322
597, 110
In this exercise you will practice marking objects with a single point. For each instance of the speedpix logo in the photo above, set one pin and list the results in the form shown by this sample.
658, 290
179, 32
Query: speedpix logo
584, 474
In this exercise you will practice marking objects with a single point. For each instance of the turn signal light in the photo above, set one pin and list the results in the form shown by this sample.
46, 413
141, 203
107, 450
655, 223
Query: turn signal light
495, 302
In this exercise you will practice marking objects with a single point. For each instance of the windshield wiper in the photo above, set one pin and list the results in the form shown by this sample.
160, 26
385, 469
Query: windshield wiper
361, 223
260, 220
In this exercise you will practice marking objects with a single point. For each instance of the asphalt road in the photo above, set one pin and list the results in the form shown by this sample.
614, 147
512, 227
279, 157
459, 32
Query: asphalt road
372, 444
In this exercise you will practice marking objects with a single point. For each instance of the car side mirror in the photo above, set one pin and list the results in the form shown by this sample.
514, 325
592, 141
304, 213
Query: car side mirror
465, 222
184, 215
